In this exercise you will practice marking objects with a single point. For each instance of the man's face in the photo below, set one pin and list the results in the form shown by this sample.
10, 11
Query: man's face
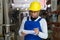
34, 14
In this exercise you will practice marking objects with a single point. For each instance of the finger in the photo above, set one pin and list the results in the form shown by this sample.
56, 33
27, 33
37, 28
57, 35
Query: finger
35, 28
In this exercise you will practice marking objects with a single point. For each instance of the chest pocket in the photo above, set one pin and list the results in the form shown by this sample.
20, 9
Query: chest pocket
30, 25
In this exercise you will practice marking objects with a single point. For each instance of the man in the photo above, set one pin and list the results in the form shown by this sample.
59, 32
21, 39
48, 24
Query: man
34, 27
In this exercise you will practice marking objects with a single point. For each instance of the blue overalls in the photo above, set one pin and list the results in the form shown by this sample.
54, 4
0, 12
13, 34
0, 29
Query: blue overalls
30, 25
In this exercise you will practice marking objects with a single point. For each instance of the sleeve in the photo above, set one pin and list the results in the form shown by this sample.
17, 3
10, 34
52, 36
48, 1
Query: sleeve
22, 28
44, 33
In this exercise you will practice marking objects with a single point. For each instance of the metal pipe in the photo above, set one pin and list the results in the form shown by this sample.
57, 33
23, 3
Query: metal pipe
6, 10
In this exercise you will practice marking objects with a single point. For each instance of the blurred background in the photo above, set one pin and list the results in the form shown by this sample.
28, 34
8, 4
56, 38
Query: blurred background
13, 11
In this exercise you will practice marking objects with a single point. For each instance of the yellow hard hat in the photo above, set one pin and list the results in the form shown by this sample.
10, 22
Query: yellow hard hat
35, 6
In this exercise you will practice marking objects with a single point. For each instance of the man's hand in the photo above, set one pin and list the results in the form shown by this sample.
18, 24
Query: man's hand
36, 30
23, 33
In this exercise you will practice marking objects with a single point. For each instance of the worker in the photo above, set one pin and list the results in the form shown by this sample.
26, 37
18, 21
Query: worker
34, 27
